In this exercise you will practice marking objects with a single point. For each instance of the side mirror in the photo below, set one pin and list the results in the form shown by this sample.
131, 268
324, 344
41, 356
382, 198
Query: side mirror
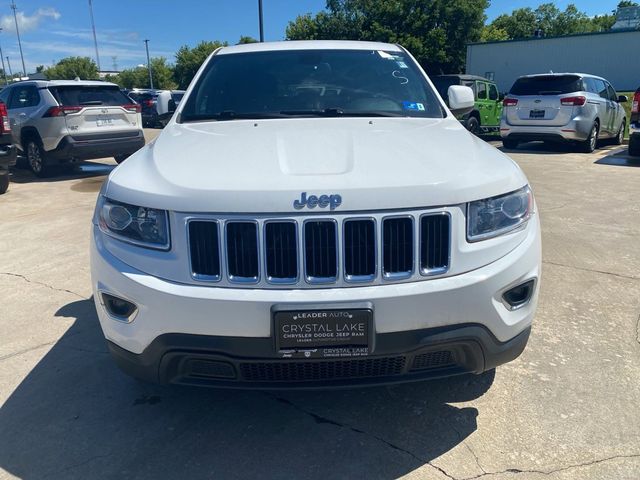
623, 99
501, 97
461, 99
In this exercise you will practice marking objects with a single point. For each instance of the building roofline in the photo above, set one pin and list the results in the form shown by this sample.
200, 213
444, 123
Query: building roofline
533, 39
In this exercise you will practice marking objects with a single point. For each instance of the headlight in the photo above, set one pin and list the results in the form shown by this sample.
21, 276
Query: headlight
497, 215
147, 227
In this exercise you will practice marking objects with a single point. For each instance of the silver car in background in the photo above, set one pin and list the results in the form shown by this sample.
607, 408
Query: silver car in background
562, 107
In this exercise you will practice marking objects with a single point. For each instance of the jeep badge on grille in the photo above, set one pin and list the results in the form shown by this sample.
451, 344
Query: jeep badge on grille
313, 201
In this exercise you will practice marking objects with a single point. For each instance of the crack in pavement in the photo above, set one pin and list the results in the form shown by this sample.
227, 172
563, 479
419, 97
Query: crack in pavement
514, 471
321, 419
17, 275
26, 350
517, 471
619, 275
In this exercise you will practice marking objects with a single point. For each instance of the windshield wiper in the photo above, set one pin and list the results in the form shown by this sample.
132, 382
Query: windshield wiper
338, 112
232, 115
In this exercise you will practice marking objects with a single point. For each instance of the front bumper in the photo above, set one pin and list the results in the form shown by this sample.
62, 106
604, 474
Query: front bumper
462, 316
236, 362
87, 147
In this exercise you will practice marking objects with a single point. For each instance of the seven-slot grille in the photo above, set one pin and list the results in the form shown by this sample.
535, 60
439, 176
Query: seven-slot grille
309, 252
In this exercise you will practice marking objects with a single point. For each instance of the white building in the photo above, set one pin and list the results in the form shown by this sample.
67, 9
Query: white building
614, 55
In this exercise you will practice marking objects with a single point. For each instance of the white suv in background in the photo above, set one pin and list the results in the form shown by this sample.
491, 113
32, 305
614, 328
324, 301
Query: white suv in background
314, 215
562, 107
64, 121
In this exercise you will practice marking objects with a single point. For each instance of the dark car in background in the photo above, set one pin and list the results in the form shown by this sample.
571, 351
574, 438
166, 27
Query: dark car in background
634, 126
153, 115
485, 116
7, 149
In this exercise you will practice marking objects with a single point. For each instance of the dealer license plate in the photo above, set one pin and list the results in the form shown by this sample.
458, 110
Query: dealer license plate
326, 333
104, 120
536, 114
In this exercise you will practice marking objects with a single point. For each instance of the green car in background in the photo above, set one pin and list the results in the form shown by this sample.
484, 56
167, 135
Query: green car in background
485, 116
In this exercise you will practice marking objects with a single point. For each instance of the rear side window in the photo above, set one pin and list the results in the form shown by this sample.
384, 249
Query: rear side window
601, 89
547, 85
90, 95
493, 92
25, 96
482, 90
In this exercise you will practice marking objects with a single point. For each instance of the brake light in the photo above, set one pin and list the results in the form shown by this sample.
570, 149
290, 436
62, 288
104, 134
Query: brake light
148, 103
573, 101
509, 102
635, 106
5, 126
61, 111
134, 107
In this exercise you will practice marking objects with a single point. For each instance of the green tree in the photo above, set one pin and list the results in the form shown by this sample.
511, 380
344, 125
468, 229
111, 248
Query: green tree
523, 22
40, 68
188, 60
246, 39
71, 67
626, 3
138, 77
435, 32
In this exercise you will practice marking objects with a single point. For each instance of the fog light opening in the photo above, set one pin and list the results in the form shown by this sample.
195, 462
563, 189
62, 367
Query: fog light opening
119, 307
518, 296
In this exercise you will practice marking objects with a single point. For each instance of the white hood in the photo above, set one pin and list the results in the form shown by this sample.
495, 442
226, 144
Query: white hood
253, 166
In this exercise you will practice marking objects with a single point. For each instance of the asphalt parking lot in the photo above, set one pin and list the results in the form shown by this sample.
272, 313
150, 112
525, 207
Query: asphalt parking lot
568, 408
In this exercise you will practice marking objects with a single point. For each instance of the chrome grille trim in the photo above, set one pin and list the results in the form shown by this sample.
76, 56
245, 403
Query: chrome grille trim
320, 279
428, 272
301, 282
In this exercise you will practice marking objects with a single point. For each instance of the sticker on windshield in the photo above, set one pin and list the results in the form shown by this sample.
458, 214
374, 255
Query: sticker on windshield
413, 106
401, 64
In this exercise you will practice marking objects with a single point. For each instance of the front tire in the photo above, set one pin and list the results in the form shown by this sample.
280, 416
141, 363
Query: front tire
4, 182
591, 143
620, 136
36, 159
473, 125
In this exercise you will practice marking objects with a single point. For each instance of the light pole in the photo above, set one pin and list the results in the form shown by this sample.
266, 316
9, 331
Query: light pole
260, 20
95, 39
146, 44
4, 72
15, 17
9, 64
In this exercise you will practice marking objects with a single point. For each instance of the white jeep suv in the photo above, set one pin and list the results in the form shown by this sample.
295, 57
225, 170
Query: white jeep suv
314, 215
65, 121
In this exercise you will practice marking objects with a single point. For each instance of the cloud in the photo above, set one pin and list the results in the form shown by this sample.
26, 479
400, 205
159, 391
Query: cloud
28, 22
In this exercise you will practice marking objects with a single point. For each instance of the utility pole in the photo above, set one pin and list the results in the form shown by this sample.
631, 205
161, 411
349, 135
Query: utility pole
260, 20
4, 72
146, 44
9, 64
95, 39
15, 17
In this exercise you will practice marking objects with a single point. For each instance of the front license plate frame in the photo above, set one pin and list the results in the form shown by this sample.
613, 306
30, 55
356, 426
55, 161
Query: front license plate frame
323, 332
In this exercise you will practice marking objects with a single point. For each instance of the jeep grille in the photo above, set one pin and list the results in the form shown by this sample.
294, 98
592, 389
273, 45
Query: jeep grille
310, 252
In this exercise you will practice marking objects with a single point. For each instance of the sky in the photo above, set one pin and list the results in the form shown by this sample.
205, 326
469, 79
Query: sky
54, 29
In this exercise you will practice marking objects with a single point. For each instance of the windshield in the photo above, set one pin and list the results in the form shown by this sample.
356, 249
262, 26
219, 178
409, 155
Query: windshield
547, 85
311, 83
